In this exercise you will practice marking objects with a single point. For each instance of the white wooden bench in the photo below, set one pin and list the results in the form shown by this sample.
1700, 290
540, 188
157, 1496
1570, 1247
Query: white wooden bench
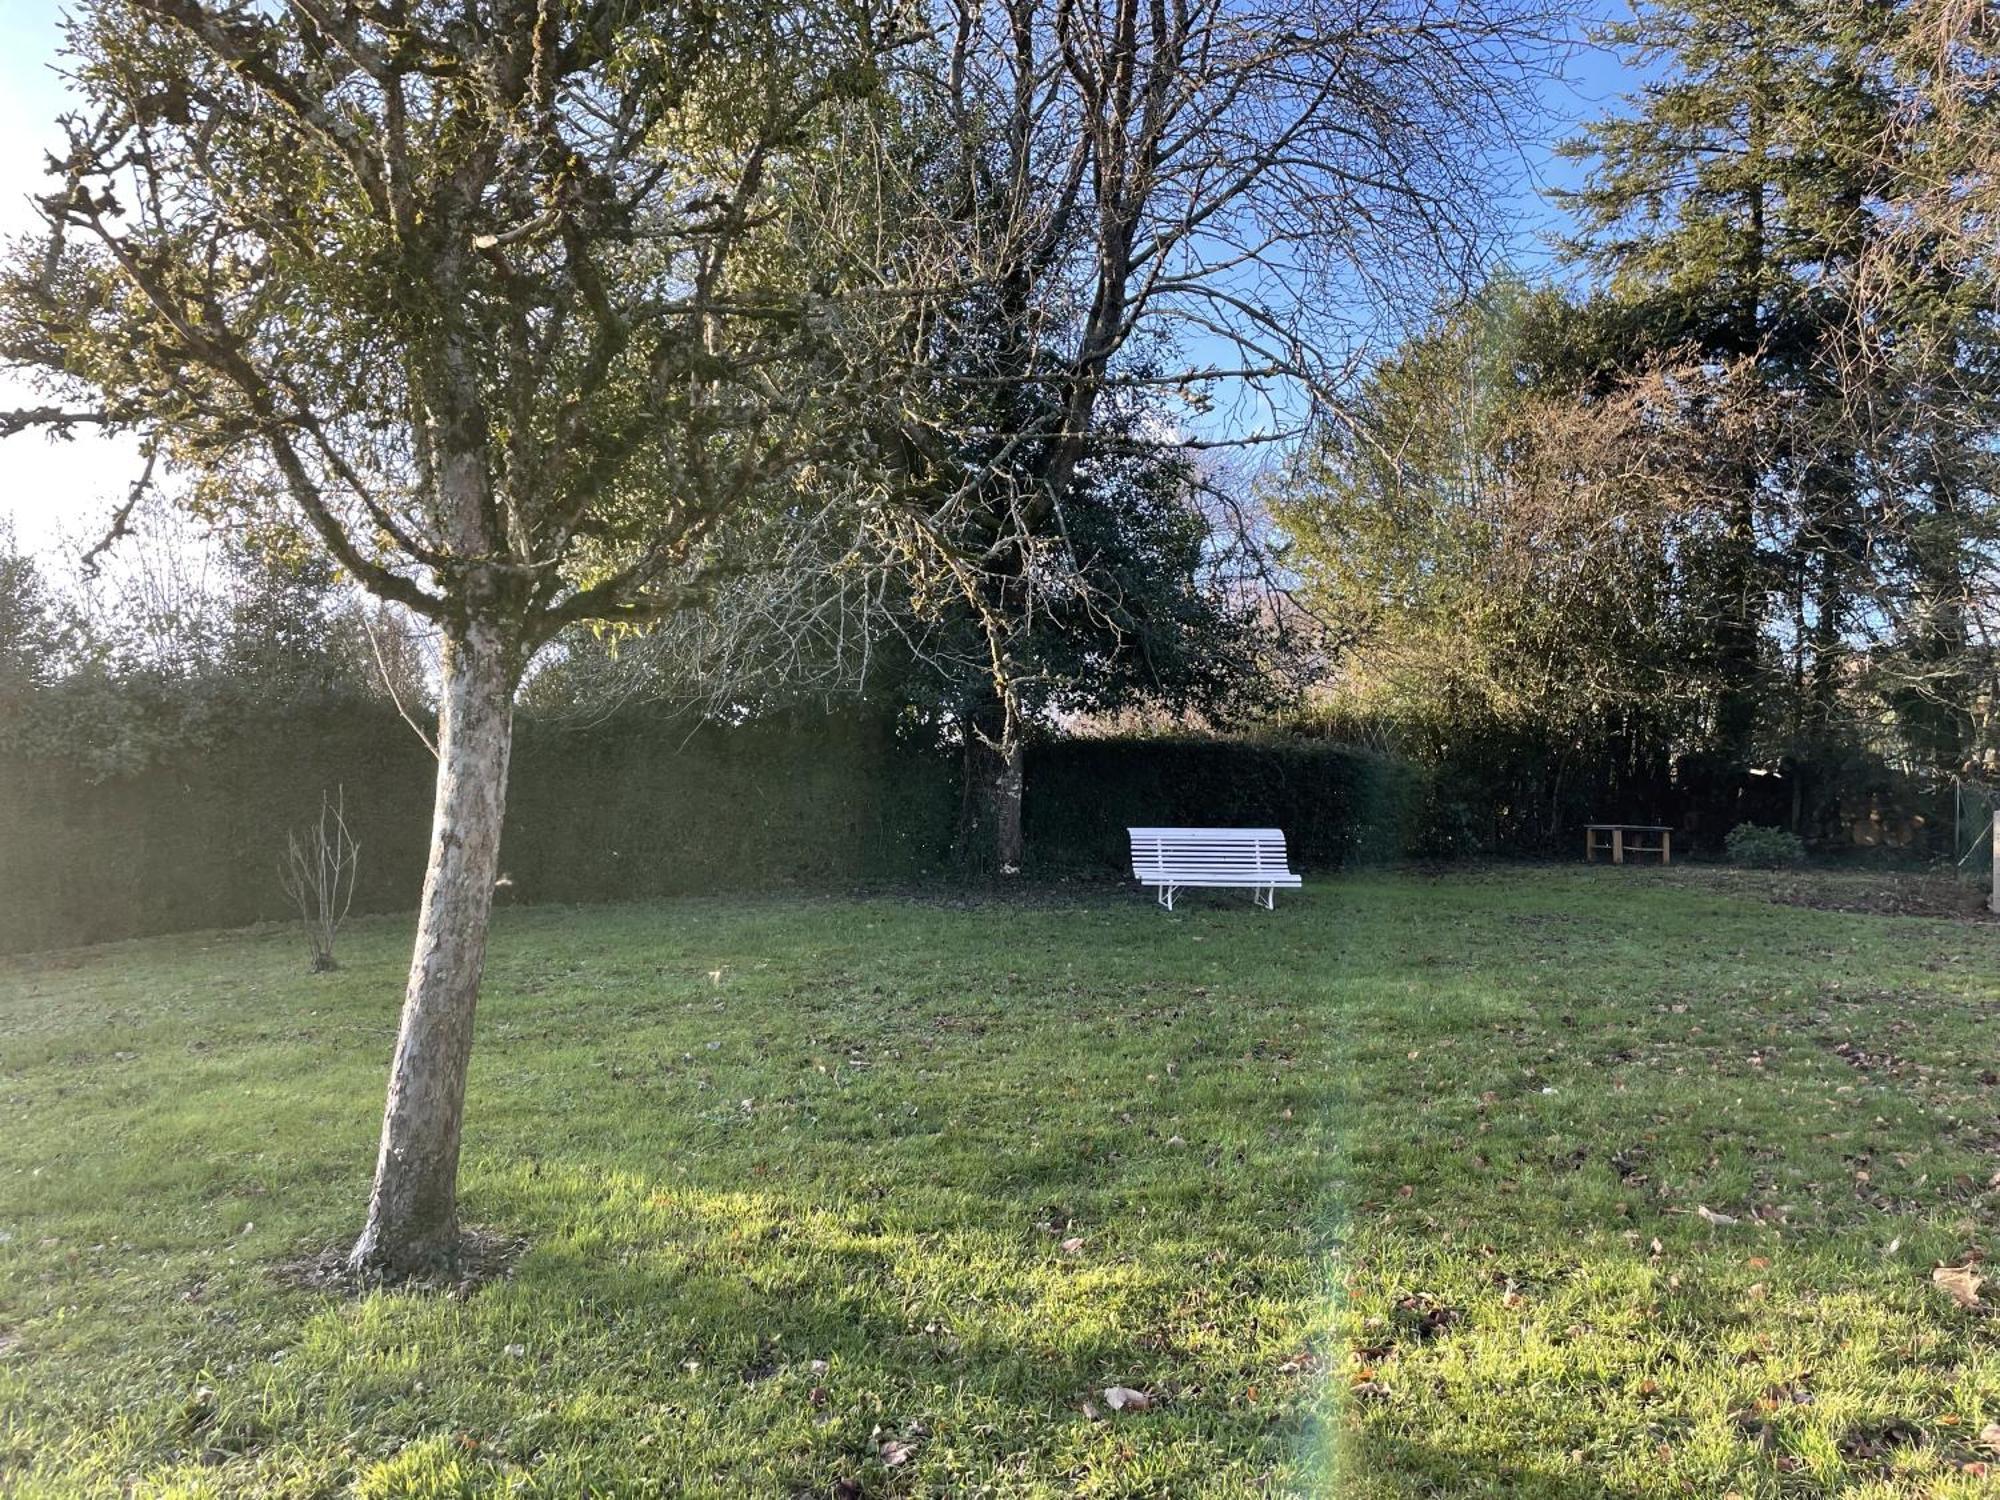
1244, 857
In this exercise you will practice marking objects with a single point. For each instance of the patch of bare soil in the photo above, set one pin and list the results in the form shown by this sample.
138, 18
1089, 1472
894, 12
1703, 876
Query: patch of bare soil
484, 1255
1885, 893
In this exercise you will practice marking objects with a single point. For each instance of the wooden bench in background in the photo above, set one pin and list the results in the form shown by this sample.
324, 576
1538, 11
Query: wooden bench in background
1619, 840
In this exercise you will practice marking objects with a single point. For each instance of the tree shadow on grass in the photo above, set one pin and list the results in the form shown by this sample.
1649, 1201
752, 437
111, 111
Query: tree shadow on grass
1392, 1467
748, 1270
814, 1335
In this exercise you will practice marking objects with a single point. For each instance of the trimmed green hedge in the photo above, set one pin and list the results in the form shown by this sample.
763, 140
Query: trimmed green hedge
633, 808
195, 842
640, 807
1337, 806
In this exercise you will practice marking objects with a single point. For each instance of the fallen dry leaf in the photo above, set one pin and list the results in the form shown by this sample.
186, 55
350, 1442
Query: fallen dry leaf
1124, 1398
896, 1452
1709, 1216
1962, 1282
1071, 1246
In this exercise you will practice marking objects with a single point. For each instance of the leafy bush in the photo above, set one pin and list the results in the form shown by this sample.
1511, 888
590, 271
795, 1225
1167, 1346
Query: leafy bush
1448, 828
1764, 848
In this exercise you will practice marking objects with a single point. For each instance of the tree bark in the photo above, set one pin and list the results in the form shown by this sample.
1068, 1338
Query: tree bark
1737, 631
1009, 847
412, 1222
990, 795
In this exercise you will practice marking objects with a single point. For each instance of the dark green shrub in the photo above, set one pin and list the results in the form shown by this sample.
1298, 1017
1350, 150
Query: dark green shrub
1449, 828
1764, 848
1337, 805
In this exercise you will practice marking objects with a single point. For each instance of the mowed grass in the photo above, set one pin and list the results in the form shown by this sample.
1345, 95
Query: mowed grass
1392, 1192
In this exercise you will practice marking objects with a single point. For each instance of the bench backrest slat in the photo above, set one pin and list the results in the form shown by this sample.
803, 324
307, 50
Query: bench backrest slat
1209, 835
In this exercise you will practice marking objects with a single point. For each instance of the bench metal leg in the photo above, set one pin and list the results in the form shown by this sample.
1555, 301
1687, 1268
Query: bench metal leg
1166, 897
1265, 896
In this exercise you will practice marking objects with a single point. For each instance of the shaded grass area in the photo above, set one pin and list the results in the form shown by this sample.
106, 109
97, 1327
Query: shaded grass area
1391, 1192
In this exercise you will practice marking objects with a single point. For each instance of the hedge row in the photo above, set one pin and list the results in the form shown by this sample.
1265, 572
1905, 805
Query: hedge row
1337, 806
633, 808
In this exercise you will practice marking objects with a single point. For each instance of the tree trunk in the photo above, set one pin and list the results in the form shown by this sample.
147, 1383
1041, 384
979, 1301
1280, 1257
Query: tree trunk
1740, 618
990, 836
1009, 848
413, 1210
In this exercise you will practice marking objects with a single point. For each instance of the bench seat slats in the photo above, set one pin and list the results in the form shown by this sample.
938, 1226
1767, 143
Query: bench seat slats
1289, 882
1248, 862
1195, 867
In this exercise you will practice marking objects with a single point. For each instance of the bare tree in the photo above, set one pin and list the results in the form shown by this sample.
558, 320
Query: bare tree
1918, 374
317, 874
1200, 208
508, 300
805, 626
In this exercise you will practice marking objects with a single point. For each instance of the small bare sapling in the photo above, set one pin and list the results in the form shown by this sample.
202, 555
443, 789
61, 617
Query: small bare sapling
318, 873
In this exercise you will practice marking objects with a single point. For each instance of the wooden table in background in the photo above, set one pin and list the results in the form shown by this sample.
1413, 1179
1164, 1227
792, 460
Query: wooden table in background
1620, 844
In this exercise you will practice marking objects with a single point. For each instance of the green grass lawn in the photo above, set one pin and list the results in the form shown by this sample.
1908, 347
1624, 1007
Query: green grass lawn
1393, 1192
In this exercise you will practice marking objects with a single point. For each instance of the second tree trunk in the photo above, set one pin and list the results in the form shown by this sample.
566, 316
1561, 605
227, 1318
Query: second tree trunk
990, 836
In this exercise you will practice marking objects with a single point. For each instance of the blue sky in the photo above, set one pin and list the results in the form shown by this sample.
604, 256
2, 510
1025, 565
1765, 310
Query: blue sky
59, 492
